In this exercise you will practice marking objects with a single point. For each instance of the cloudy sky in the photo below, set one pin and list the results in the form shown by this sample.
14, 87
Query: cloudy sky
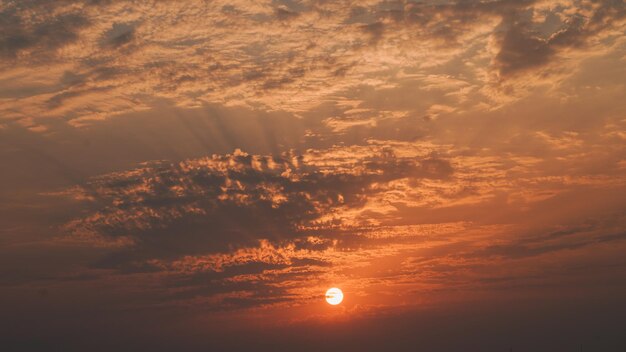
193, 175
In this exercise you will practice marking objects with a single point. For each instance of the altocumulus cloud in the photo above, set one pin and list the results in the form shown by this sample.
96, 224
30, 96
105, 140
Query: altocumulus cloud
289, 52
167, 210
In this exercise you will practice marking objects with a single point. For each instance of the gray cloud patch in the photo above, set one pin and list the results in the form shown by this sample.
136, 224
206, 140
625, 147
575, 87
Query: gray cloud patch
375, 30
524, 47
284, 14
119, 35
50, 33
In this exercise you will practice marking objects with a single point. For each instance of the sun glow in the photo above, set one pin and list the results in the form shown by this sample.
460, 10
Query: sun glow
334, 296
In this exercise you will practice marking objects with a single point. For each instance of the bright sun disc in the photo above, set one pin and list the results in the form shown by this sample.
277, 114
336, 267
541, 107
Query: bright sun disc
334, 296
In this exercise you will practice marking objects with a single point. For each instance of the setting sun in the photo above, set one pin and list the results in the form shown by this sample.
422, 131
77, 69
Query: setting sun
334, 296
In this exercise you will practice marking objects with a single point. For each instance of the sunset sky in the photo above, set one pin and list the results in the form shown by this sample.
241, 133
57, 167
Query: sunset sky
194, 175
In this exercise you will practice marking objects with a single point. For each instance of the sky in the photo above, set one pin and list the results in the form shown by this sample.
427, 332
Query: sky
194, 175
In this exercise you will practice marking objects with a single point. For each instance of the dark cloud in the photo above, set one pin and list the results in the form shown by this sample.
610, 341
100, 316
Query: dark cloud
248, 293
523, 47
607, 12
526, 247
375, 30
209, 205
19, 34
119, 35
284, 14
520, 50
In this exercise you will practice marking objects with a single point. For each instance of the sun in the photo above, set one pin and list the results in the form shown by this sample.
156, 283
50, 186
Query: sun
334, 296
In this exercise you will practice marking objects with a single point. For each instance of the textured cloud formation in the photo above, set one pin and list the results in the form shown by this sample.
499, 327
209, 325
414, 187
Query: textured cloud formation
282, 56
211, 203
34, 37
532, 40
241, 231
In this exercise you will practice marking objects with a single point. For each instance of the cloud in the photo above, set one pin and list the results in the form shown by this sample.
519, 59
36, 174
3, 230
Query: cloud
119, 34
524, 45
284, 14
375, 30
209, 204
203, 56
243, 231
39, 37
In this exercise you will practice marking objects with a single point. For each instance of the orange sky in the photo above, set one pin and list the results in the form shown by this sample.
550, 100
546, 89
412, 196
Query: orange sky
204, 170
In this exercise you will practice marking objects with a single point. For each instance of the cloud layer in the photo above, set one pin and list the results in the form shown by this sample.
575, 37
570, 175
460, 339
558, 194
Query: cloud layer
89, 61
202, 171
